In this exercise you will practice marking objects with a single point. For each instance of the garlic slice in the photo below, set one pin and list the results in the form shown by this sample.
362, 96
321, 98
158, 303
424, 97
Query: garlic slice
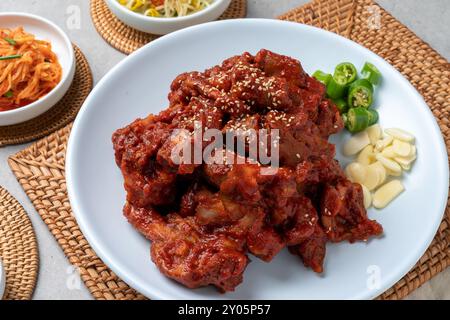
366, 156
373, 178
356, 172
400, 134
392, 173
374, 133
386, 193
405, 163
388, 152
381, 170
383, 143
356, 143
401, 148
413, 152
367, 197
389, 164
379, 156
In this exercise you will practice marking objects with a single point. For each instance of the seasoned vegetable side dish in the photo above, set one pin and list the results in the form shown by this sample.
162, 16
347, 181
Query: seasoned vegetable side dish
29, 69
205, 219
165, 8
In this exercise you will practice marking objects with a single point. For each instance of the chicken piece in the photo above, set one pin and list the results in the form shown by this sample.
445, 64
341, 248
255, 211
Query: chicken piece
329, 120
280, 195
241, 184
135, 149
169, 157
312, 250
263, 241
186, 252
135, 144
215, 170
302, 225
211, 210
300, 138
188, 201
343, 215
317, 171
285, 67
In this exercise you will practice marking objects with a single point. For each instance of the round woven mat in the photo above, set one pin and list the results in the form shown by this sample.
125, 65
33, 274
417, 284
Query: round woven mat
18, 249
127, 39
59, 115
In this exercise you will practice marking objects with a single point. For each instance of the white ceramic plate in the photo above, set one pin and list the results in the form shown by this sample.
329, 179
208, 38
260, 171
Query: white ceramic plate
2, 279
139, 86
43, 29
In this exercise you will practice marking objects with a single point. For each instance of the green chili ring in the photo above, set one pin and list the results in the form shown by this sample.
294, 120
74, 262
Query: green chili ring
371, 73
373, 116
335, 89
345, 73
360, 94
357, 119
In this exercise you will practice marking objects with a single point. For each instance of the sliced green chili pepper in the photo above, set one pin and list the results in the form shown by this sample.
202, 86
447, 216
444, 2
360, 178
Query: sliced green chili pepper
345, 73
341, 104
335, 90
9, 94
10, 41
373, 116
322, 77
371, 73
360, 94
357, 119
14, 56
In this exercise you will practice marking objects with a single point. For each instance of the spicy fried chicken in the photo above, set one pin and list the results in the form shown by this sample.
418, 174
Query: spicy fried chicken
204, 219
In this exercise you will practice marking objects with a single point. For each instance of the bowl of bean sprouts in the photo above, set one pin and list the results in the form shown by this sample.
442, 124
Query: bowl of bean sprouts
164, 16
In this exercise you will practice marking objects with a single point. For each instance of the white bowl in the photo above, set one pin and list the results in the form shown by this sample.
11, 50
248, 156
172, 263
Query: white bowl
162, 26
43, 29
141, 82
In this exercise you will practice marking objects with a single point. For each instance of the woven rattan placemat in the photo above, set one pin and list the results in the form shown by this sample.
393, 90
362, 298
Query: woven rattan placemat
127, 39
59, 115
18, 249
40, 168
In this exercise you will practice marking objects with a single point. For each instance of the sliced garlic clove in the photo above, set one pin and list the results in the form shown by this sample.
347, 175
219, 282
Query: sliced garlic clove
366, 156
405, 167
401, 148
356, 143
385, 142
381, 170
356, 172
372, 179
386, 193
400, 134
413, 152
392, 173
404, 162
374, 133
388, 152
389, 164
367, 197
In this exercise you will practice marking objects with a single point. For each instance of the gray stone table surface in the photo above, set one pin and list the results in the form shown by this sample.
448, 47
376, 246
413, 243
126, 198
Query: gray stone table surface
429, 19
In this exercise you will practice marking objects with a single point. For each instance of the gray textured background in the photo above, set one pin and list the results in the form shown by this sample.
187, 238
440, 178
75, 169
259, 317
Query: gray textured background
429, 19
